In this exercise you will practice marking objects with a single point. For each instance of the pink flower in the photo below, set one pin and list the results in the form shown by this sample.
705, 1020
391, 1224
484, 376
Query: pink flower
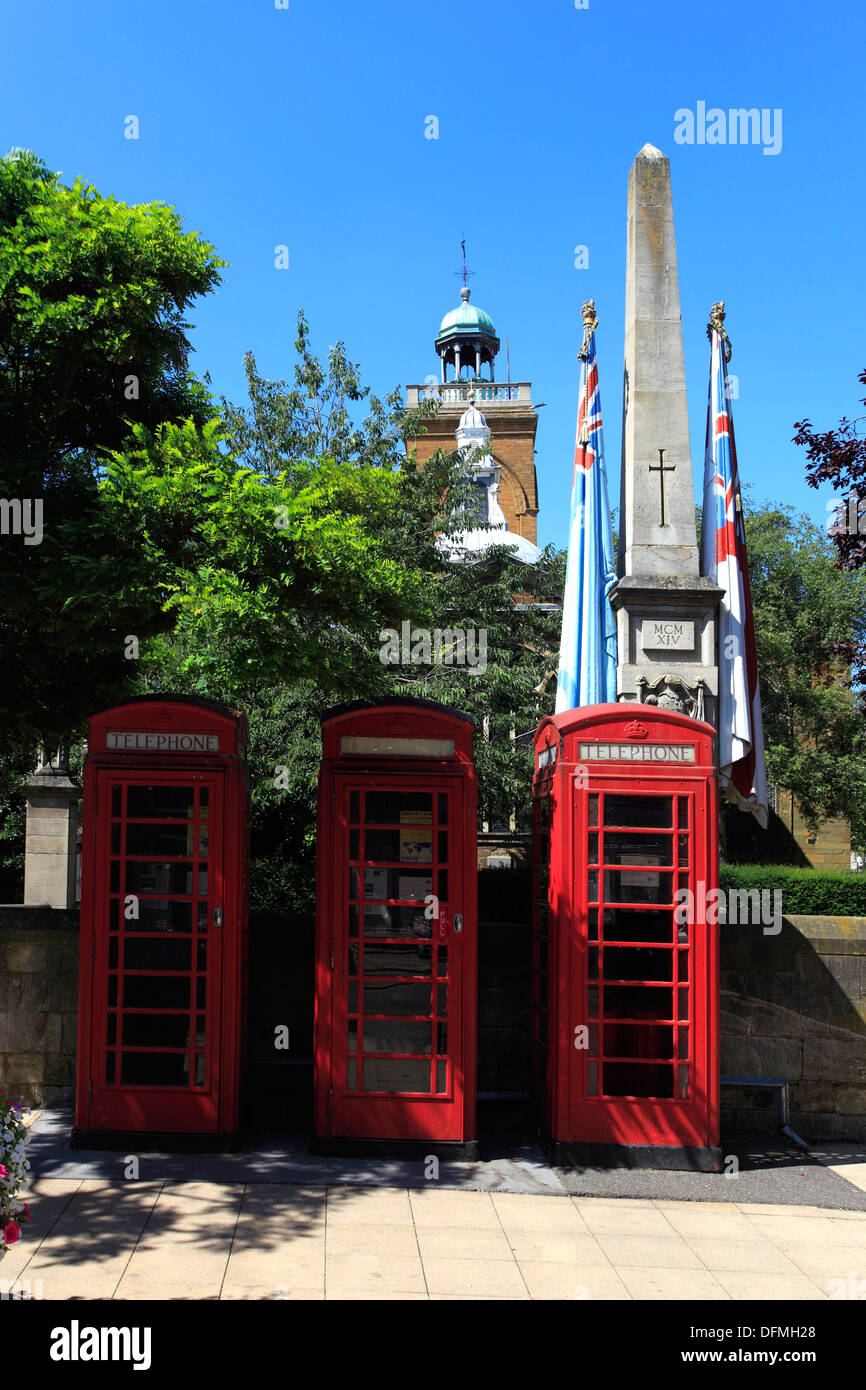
2, 1171
12, 1232
26, 1210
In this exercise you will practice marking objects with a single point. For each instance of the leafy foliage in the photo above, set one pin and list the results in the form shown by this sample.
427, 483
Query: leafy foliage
12, 838
93, 295
806, 613
838, 457
267, 579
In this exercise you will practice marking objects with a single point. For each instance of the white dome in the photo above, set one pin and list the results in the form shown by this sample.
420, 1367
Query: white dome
472, 432
468, 547
472, 419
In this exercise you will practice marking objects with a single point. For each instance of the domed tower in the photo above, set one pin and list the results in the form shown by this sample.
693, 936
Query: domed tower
467, 341
467, 345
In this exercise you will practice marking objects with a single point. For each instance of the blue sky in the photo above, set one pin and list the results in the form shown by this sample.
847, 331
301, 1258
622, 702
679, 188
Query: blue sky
306, 127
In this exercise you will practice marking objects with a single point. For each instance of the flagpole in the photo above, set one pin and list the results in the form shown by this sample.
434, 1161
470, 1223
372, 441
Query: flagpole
723, 546
587, 654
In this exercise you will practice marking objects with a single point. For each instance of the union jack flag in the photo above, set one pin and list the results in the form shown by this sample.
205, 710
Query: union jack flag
723, 546
587, 648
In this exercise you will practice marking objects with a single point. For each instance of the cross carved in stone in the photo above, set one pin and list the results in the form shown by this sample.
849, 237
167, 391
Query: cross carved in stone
662, 468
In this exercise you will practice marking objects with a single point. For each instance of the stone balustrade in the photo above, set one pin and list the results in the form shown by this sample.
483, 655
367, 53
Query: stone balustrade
457, 394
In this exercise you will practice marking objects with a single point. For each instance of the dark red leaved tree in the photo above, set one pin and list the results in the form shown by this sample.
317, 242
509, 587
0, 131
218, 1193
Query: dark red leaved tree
838, 457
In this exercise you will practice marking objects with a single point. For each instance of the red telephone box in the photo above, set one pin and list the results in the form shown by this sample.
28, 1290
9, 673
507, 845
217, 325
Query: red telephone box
626, 973
396, 935
163, 921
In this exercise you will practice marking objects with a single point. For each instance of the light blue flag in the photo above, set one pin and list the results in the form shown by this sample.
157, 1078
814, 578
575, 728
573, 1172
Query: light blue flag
587, 648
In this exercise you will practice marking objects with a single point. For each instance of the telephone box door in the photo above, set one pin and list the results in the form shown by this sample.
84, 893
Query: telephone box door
157, 952
642, 989
397, 1049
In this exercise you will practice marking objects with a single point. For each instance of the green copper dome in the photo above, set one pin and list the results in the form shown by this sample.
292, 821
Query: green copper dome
466, 319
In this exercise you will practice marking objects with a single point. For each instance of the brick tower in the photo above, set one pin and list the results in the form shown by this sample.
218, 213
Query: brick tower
467, 345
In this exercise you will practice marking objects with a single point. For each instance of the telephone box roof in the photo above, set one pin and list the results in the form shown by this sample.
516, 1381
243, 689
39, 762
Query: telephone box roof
413, 701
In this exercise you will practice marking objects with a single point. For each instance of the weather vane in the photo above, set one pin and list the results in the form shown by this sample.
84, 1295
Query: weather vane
464, 273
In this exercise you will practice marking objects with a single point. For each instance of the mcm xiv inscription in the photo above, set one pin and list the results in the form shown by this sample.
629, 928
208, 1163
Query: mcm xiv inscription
666, 633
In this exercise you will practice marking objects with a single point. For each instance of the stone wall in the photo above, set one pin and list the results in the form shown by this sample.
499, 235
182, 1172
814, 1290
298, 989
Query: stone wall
506, 845
787, 839
829, 848
38, 1002
794, 1006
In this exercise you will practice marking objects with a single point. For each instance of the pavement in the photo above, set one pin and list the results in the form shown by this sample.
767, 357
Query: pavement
276, 1222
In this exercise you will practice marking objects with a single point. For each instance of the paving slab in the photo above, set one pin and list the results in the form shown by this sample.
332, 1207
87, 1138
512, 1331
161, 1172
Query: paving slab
375, 1273
846, 1160
616, 1219
205, 1240
368, 1206
707, 1219
582, 1281
656, 1252
463, 1243
547, 1246
385, 1241
754, 1288
480, 1277
650, 1282
440, 1207
366, 1295
743, 1256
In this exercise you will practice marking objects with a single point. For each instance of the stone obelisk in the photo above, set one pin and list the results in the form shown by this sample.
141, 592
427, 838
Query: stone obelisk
665, 609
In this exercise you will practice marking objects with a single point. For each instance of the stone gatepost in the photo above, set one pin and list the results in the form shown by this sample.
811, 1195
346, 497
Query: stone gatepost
53, 819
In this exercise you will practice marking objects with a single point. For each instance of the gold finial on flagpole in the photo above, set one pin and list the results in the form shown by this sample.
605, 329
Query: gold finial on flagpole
590, 324
717, 325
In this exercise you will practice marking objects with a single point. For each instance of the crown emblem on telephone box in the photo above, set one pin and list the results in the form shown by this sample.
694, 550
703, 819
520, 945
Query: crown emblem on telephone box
636, 729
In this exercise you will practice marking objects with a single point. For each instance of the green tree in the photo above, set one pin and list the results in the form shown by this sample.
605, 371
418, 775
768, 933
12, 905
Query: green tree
838, 457
93, 295
269, 579
363, 552
807, 612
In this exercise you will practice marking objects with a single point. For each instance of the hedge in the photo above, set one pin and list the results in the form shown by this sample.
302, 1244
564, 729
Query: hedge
816, 892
